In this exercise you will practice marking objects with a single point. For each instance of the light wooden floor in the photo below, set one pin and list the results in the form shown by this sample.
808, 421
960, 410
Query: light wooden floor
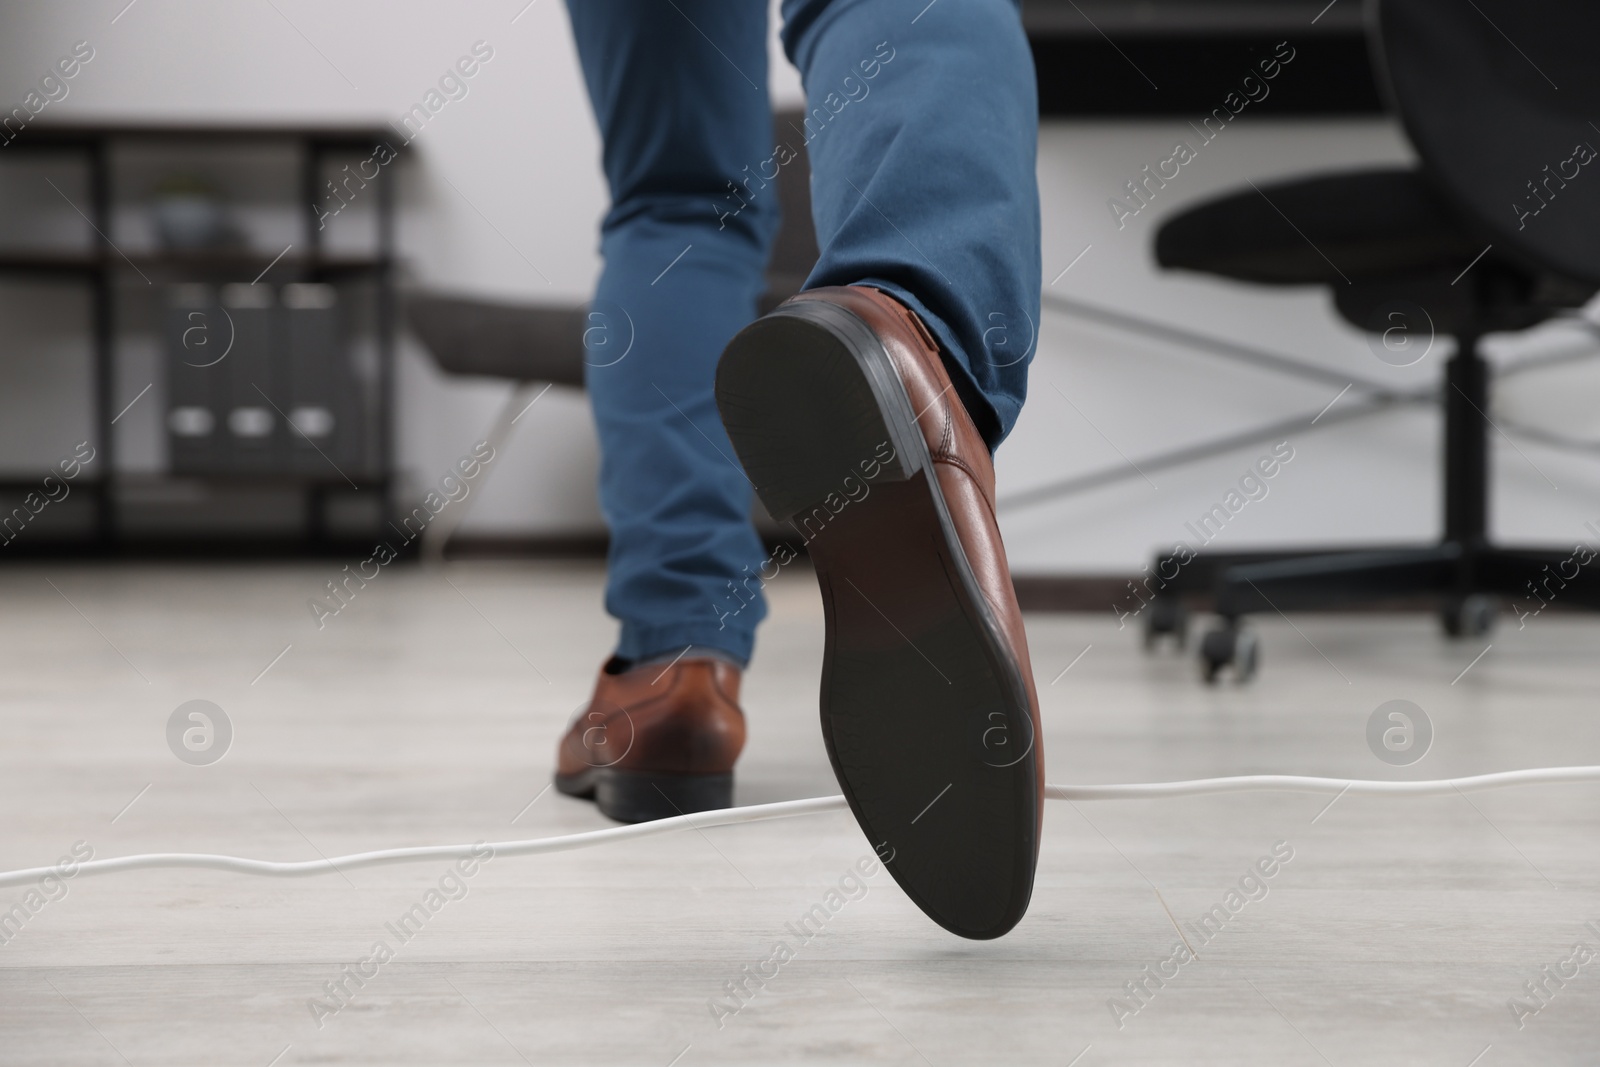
426, 712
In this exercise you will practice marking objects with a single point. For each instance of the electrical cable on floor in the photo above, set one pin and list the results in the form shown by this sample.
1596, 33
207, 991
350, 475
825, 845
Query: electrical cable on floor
790, 808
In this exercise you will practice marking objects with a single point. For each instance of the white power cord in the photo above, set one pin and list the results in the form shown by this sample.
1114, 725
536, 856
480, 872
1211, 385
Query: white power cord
1294, 783
789, 808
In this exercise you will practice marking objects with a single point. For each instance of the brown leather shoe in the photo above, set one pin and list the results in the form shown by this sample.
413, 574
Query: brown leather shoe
655, 741
847, 424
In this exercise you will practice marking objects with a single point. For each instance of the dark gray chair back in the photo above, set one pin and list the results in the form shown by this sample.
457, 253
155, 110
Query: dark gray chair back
1502, 99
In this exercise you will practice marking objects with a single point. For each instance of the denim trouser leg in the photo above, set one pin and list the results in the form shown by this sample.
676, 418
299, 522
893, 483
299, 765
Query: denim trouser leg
682, 108
921, 126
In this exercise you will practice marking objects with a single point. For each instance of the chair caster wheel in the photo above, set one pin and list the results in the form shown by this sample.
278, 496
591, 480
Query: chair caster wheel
1471, 616
1229, 646
1166, 617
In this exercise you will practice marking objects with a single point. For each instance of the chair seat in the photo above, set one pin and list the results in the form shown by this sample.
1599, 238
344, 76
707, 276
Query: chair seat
523, 342
1329, 228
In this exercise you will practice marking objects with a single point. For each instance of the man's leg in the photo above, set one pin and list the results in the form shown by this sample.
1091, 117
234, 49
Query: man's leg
865, 409
680, 94
922, 122
679, 89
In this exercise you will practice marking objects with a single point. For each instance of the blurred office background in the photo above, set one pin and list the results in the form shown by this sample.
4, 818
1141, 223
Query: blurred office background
499, 194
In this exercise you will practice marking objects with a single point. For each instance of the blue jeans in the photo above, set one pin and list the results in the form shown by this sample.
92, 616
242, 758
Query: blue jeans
922, 127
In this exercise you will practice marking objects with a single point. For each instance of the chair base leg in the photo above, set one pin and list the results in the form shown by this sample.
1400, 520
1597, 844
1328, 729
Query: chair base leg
1469, 584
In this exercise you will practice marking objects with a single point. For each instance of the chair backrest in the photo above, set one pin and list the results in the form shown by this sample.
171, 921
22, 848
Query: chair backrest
1502, 100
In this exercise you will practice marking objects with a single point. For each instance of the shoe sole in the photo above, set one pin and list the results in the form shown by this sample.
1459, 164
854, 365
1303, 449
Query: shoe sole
639, 796
925, 712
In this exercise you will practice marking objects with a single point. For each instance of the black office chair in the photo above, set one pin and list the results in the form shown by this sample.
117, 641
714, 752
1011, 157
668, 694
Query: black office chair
543, 345
1498, 229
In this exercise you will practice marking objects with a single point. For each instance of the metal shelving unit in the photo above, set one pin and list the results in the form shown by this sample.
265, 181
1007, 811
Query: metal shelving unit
103, 266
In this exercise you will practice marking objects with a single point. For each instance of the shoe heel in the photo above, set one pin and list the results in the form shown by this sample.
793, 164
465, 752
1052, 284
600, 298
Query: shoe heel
634, 796
815, 408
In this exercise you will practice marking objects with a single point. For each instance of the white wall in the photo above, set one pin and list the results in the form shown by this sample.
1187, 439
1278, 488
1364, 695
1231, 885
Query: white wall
1372, 480
520, 149
505, 195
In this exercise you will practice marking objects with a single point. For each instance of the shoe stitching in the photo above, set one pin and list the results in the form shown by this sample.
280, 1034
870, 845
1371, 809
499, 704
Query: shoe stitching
947, 435
966, 468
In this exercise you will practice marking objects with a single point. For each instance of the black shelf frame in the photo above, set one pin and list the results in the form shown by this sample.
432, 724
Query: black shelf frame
99, 268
